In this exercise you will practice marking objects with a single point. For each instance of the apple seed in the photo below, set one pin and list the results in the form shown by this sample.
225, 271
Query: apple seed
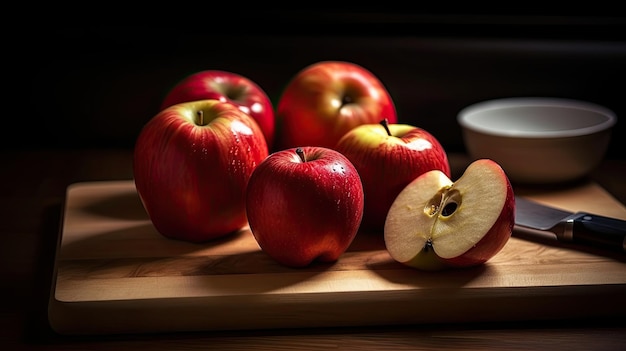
449, 209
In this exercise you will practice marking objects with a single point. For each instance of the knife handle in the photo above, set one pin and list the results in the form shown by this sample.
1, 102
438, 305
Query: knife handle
586, 228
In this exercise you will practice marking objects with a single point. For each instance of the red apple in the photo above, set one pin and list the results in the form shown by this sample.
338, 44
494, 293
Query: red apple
304, 204
435, 223
191, 165
388, 157
229, 87
326, 99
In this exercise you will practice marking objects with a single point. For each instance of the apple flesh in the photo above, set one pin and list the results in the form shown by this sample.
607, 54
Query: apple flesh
388, 157
191, 165
435, 223
304, 205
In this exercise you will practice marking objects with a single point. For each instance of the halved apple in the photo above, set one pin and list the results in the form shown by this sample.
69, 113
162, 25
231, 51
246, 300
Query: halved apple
435, 223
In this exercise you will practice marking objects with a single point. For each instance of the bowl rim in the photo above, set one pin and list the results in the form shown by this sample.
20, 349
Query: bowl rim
501, 103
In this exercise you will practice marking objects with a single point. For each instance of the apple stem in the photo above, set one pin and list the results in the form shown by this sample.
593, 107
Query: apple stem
301, 154
201, 117
385, 123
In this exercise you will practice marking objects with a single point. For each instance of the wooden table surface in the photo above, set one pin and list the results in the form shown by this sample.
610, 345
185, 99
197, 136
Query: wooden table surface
33, 188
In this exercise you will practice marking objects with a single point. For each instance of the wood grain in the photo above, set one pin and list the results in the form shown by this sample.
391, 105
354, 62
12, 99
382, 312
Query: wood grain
116, 274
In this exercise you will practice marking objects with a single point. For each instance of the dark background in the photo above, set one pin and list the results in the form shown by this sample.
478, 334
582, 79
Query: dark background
95, 83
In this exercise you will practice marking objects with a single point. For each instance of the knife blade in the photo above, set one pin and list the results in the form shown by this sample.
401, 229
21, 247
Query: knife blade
578, 227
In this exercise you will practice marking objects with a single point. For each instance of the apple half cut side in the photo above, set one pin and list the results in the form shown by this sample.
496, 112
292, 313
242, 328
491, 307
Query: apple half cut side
435, 223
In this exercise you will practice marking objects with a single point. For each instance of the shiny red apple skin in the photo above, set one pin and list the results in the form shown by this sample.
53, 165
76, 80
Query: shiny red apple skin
229, 87
387, 163
325, 100
300, 212
192, 178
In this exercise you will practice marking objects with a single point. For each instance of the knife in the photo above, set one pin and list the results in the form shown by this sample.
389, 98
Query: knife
579, 227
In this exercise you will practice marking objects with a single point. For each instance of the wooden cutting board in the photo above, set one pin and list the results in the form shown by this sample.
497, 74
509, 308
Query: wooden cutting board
116, 274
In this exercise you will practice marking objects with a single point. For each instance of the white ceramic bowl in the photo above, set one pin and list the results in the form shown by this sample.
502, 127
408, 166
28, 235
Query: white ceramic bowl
538, 139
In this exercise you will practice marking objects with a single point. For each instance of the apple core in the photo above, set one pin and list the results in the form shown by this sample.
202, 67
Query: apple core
444, 203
